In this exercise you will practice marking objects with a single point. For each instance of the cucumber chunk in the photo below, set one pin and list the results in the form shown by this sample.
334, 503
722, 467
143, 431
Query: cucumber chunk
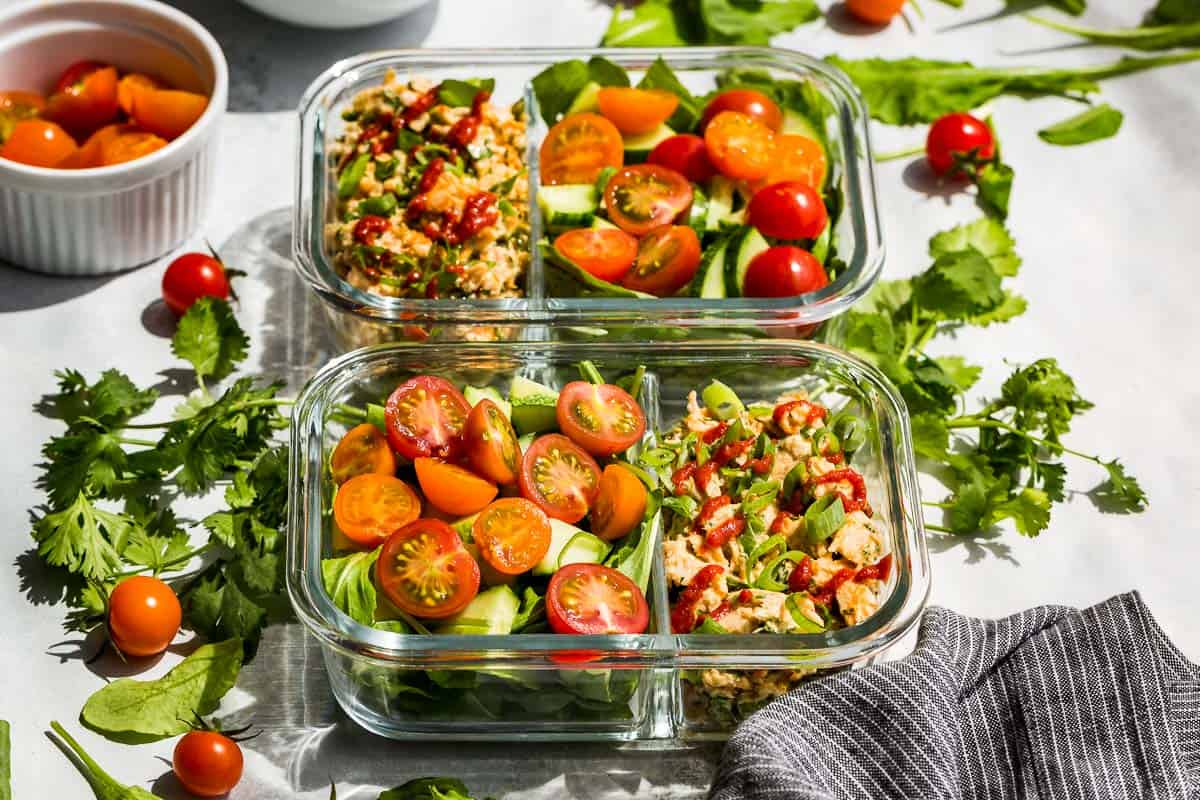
737, 260
710, 277
533, 406
720, 202
638, 146
586, 100
601, 222
476, 393
492, 612
561, 533
584, 548
697, 217
568, 205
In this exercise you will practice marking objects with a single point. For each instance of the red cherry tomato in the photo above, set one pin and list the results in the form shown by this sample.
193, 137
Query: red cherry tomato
143, 616
642, 197
746, 101
667, 260
190, 277
602, 419
784, 271
957, 134
424, 570
75, 74
593, 599
876, 12
686, 154
788, 210
85, 98
207, 763
607, 253
425, 416
560, 477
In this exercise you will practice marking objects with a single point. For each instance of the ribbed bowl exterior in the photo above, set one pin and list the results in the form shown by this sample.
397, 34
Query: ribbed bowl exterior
72, 235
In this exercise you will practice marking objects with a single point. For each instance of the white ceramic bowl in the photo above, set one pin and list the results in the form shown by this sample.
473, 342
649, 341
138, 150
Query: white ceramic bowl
95, 221
338, 14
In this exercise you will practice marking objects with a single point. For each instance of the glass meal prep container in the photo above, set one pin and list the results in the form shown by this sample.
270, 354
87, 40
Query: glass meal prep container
624, 687
360, 317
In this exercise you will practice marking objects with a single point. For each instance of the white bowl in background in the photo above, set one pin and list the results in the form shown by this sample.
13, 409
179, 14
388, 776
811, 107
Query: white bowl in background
106, 219
334, 13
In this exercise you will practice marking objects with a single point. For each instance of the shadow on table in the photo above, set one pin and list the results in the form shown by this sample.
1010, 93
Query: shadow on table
26, 291
271, 63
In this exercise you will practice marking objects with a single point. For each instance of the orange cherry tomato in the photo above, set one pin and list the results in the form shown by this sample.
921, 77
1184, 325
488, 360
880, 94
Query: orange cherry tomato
167, 112
129, 85
452, 489
91, 153
750, 102
668, 258
85, 99
207, 763
607, 253
560, 477
578, 147
636, 111
369, 507
22, 104
143, 616
876, 12
491, 443
620, 505
601, 418
363, 450
796, 158
513, 535
129, 146
424, 570
642, 197
38, 142
739, 145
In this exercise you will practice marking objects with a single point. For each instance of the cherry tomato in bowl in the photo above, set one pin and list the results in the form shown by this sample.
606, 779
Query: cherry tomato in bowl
452, 489
957, 135
363, 450
750, 102
642, 197
190, 277
603, 419
424, 570
606, 253
667, 260
578, 147
38, 143
425, 416
207, 763
585, 599
368, 507
686, 154
797, 158
636, 111
491, 444
559, 477
788, 210
167, 113
143, 616
739, 145
620, 504
784, 271
513, 535
875, 12
84, 99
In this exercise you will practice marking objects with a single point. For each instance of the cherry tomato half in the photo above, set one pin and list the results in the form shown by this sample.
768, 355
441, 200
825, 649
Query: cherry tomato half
75, 74
642, 197
424, 570
513, 535
607, 253
875, 12
750, 102
578, 147
167, 112
130, 145
190, 277
636, 111
362, 451
143, 616
129, 85
39, 143
594, 599
788, 210
784, 271
957, 134
620, 505
491, 444
368, 507
601, 418
207, 763
686, 154
560, 477
739, 145
425, 417
85, 99
667, 260
91, 153
452, 489
21, 105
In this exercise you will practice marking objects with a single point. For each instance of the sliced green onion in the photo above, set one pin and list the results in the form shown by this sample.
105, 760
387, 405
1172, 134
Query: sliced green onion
684, 506
634, 384
746, 540
803, 623
722, 401
851, 429
824, 441
797, 476
702, 453
766, 579
736, 432
823, 518
589, 372
657, 457
352, 176
761, 410
381, 206
385, 169
710, 626
762, 548
760, 495
375, 416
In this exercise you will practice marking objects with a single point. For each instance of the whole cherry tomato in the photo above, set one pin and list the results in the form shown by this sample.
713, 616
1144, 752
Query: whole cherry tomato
143, 616
958, 135
784, 271
788, 210
207, 763
190, 277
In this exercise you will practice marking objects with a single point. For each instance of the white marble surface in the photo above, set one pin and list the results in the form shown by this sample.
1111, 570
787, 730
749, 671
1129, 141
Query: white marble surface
1109, 235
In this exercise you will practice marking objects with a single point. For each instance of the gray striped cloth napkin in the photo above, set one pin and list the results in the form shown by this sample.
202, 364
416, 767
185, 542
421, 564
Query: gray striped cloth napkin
1050, 703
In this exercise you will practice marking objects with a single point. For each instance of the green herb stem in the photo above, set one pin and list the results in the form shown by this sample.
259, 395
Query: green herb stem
183, 558
995, 424
896, 155
136, 442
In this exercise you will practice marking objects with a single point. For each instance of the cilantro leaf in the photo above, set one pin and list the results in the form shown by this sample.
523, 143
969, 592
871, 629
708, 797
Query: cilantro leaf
85, 459
210, 339
962, 374
994, 182
84, 539
1029, 510
958, 286
931, 437
1120, 492
110, 401
986, 235
156, 552
1042, 397
1170, 11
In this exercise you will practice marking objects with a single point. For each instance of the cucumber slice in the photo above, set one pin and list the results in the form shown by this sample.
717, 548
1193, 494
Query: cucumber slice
601, 222
476, 393
561, 533
578, 281
710, 277
492, 612
569, 205
602, 180
523, 442
638, 146
584, 548
720, 202
586, 100
464, 526
533, 406
698, 213
737, 260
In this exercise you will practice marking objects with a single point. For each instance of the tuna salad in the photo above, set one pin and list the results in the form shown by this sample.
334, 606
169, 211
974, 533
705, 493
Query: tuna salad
432, 192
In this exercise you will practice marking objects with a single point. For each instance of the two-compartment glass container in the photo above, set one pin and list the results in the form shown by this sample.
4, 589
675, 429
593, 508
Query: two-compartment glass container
359, 317
544, 686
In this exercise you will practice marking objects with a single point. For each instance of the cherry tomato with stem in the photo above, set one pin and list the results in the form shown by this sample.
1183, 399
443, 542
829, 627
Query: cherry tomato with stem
425, 416
750, 102
207, 763
585, 599
491, 444
958, 136
560, 477
190, 277
667, 260
143, 616
603, 419
784, 271
453, 489
513, 535
686, 154
38, 143
875, 12
620, 504
642, 197
788, 210
577, 148
424, 570
364, 450
606, 253
636, 111
739, 145
368, 507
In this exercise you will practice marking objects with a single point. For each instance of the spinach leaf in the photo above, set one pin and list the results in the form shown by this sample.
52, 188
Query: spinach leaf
675, 23
660, 76
349, 584
1100, 122
567, 279
754, 21
653, 23
460, 94
606, 73
636, 553
104, 786
135, 712
429, 789
558, 84
1154, 37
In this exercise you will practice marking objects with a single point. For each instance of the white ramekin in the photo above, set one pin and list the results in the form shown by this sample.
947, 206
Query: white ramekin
95, 221
341, 14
